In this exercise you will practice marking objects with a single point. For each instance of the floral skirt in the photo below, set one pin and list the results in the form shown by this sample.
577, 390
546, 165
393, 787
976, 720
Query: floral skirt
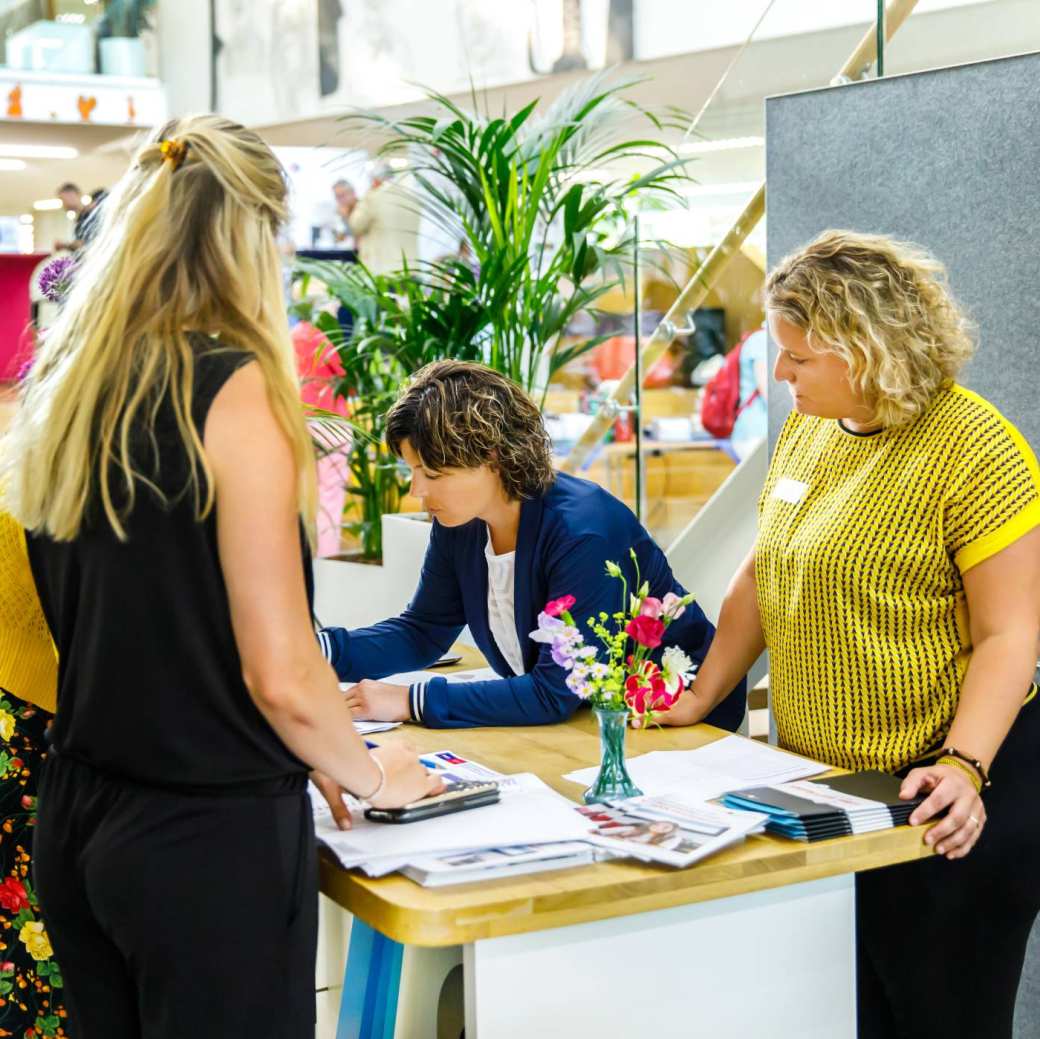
30, 980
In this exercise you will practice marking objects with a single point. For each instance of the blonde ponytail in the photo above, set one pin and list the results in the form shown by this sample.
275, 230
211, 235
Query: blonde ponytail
187, 243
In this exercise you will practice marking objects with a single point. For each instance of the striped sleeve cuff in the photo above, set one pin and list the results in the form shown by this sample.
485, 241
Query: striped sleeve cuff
325, 645
417, 701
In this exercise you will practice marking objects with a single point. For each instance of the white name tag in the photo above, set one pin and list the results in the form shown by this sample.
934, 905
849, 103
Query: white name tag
789, 490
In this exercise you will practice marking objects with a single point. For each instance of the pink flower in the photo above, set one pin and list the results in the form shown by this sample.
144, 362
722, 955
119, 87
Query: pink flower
673, 607
645, 693
647, 631
651, 607
554, 607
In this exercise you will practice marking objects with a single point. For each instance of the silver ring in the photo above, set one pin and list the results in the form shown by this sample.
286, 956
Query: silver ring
975, 821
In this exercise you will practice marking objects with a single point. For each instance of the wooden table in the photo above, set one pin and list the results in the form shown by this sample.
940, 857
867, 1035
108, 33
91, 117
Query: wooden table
757, 941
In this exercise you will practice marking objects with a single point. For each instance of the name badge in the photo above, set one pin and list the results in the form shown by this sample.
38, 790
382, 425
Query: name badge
792, 491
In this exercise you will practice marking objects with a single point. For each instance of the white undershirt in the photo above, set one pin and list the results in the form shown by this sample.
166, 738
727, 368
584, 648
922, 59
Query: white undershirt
501, 617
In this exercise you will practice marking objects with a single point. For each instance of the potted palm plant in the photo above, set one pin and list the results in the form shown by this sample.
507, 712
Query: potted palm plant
119, 36
545, 225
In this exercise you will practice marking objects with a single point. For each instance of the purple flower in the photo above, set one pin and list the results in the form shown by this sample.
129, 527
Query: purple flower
56, 278
562, 654
577, 681
548, 628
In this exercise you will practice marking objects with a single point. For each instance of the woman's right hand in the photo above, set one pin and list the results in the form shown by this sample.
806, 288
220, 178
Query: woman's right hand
687, 710
407, 779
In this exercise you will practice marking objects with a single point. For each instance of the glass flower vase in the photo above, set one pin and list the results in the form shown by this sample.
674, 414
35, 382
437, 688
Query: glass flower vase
613, 783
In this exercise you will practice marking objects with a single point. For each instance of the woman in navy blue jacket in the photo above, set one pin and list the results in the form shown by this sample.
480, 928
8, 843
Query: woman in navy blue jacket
509, 534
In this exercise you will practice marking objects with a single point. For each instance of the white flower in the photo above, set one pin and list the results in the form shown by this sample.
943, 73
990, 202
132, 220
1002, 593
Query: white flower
677, 669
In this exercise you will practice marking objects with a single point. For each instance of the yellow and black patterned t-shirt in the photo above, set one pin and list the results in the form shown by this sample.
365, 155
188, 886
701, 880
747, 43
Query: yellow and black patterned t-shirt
862, 543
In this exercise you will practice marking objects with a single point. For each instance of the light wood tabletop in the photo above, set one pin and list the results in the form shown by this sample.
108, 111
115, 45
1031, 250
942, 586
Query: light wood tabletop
413, 915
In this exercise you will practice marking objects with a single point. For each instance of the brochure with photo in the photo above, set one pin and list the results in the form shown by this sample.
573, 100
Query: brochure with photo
668, 830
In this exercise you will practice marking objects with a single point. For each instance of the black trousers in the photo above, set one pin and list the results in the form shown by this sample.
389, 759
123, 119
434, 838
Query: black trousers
941, 944
177, 916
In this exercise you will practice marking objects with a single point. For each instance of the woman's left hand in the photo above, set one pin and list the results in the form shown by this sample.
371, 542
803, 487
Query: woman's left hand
947, 787
378, 701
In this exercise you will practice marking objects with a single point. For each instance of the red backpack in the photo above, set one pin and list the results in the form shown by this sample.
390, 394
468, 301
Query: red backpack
720, 399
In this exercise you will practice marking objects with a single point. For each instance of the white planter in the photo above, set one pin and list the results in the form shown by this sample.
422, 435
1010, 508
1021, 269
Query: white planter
351, 595
122, 56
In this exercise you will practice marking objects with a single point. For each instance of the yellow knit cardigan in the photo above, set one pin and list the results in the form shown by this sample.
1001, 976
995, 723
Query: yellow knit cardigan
28, 659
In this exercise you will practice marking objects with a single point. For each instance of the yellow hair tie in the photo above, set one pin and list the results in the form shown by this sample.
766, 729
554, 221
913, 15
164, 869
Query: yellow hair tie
173, 151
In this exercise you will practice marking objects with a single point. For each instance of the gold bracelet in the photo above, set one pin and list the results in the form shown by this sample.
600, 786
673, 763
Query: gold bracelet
966, 769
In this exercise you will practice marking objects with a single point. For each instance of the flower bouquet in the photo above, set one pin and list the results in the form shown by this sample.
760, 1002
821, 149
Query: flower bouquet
623, 681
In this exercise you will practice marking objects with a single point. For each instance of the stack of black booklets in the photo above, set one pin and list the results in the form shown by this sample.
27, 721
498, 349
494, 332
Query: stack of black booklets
817, 809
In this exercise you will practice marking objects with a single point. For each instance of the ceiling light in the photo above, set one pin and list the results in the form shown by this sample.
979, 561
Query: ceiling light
47, 203
726, 144
11, 165
37, 151
25, 218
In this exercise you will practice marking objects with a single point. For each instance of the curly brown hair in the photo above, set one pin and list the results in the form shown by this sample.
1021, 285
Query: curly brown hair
885, 307
461, 415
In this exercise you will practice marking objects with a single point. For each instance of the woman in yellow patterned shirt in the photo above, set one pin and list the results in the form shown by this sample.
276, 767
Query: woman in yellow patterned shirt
896, 584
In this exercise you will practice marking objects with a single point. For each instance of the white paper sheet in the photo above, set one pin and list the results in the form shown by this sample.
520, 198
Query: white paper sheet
732, 763
409, 678
366, 728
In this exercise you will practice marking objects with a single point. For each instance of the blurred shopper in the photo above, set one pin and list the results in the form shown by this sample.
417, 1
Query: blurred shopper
385, 223
346, 201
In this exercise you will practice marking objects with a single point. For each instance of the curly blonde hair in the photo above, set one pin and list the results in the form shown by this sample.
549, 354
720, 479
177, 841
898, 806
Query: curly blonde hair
462, 415
885, 308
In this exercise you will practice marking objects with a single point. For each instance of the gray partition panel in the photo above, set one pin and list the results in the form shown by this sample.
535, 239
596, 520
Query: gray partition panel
949, 159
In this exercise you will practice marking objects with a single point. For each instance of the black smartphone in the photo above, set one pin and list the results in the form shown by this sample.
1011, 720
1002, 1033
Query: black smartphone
456, 798
448, 660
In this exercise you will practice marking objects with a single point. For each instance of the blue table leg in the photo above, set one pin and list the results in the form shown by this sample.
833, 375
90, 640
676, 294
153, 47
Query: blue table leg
371, 983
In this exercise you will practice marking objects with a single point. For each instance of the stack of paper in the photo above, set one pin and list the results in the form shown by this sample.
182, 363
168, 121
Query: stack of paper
464, 867
529, 812
817, 809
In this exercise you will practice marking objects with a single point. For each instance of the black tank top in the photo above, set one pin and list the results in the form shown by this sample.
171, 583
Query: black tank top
150, 683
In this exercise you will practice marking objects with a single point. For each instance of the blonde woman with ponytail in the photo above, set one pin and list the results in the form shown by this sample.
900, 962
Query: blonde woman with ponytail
161, 469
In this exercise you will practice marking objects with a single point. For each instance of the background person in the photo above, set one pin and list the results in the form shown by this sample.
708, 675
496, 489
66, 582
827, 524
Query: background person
346, 199
385, 223
509, 534
87, 215
161, 465
894, 582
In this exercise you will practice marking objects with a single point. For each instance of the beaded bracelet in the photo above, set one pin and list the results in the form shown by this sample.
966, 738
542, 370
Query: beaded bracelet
975, 781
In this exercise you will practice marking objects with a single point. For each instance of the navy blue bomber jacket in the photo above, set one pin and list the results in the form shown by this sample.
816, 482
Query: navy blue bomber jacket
565, 538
